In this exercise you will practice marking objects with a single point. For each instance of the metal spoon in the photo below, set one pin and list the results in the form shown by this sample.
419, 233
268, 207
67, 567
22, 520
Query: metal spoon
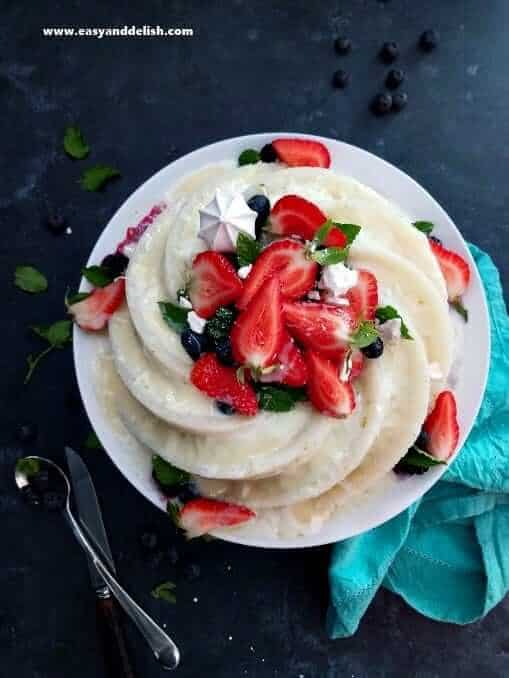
164, 649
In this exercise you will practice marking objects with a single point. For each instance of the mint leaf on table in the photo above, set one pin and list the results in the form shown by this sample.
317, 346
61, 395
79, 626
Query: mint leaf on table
330, 255
459, 308
94, 178
249, 157
166, 474
92, 442
279, 398
75, 144
165, 591
416, 461
425, 227
29, 279
219, 326
174, 316
56, 335
384, 313
365, 334
98, 276
248, 249
28, 467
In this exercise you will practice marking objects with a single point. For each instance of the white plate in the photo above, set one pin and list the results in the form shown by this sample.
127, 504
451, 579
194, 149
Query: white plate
397, 493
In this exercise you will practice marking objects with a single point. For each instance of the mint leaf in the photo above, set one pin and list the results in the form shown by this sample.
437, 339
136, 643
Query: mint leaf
248, 249
94, 178
459, 308
29, 279
351, 231
173, 510
174, 316
75, 298
249, 157
165, 591
92, 442
27, 466
330, 255
166, 474
75, 144
219, 326
365, 335
279, 398
384, 313
416, 461
324, 230
57, 335
98, 276
424, 226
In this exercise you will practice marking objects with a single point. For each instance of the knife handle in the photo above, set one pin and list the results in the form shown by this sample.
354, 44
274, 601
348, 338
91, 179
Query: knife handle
111, 635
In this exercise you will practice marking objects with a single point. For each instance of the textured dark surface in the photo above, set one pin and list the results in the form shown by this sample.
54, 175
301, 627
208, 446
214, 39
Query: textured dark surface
250, 67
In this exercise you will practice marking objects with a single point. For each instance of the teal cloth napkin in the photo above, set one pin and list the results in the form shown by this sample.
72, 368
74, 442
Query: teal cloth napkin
448, 554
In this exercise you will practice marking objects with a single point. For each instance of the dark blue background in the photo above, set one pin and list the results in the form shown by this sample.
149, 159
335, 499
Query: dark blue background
251, 66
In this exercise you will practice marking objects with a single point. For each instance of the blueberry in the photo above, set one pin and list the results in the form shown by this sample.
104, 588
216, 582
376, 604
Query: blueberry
422, 441
399, 101
195, 344
40, 481
115, 263
223, 349
53, 501
225, 408
381, 104
261, 205
268, 153
30, 496
394, 78
192, 571
56, 222
149, 540
27, 433
375, 349
389, 52
429, 40
342, 45
435, 239
340, 79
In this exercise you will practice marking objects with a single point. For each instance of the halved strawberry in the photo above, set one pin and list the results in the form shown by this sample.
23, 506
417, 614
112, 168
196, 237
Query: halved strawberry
454, 268
202, 515
441, 425
293, 370
356, 360
94, 312
293, 215
257, 335
326, 391
363, 297
287, 259
220, 382
321, 327
214, 282
302, 152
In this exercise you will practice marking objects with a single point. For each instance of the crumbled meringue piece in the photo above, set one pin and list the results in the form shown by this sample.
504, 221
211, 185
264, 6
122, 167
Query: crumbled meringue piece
390, 330
244, 271
336, 301
196, 322
185, 303
336, 280
221, 221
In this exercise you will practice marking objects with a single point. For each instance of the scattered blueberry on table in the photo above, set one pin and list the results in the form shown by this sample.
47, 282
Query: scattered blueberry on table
55, 222
394, 78
389, 52
429, 40
399, 101
342, 45
340, 79
382, 103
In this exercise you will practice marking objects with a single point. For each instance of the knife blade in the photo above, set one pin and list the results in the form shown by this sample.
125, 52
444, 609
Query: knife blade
89, 513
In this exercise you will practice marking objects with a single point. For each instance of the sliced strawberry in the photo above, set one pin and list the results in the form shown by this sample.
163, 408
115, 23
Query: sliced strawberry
214, 283
356, 361
441, 425
94, 312
326, 391
220, 382
293, 370
202, 515
286, 258
293, 215
454, 268
302, 152
258, 333
363, 297
321, 327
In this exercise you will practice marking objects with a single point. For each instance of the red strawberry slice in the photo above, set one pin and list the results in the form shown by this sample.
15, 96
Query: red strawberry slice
220, 382
293, 370
363, 297
356, 363
214, 283
321, 327
202, 515
454, 268
302, 152
257, 335
442, 426
286, 258
326, 391
293, 215
94, 312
